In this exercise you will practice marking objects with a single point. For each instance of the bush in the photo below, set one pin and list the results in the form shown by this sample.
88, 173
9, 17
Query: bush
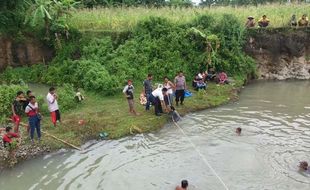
66, 99
156, 46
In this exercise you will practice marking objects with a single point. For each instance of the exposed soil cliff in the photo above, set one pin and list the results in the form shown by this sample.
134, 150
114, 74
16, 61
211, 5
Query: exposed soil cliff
30, 51
281, 53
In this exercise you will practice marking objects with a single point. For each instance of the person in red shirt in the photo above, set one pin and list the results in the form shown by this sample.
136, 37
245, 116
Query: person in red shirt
34, 117
8, 137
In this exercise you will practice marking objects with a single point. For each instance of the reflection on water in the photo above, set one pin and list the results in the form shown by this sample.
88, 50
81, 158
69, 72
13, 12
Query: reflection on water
274, 116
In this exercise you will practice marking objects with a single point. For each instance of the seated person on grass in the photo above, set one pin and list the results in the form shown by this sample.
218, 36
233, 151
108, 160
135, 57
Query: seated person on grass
293, 21
303, 21
9, 136
211, 75
250, 23
222, 78
201, 85
195, 81
263, 22
78, 96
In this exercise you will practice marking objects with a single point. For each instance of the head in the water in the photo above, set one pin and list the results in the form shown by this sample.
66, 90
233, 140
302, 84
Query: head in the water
238, 131
184, 185
304, 166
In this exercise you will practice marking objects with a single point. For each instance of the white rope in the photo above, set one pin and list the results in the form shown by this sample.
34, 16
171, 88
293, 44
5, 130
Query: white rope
200, 154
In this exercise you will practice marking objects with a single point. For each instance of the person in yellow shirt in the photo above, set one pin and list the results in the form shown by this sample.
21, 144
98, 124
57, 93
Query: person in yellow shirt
263, 22
303, 21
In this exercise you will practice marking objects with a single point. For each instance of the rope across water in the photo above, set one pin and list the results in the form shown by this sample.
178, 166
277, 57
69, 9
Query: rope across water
201, 155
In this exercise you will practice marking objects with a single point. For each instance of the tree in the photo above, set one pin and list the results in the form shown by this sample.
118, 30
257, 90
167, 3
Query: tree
41, 11
12, 15
48, 12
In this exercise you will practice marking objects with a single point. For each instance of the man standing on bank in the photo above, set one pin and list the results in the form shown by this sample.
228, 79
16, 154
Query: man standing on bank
53, 105
180, 84
147, 90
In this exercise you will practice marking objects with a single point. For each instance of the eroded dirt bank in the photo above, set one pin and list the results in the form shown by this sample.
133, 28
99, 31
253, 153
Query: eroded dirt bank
282, 53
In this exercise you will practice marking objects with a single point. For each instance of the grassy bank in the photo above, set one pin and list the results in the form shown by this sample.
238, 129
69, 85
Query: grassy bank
117, 19
110, 114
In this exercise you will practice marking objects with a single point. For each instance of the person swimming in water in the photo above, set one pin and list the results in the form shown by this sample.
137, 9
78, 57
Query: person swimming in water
184, 185
303, 166
238, 131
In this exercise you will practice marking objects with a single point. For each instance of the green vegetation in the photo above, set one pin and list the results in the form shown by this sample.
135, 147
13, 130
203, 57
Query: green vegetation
110, 114
99, 49
125, 19
155, 46
8, 94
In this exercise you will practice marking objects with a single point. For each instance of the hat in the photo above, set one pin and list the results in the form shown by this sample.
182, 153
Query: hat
250, 17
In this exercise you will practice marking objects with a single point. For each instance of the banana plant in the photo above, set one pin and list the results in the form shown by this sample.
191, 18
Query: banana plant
212, 43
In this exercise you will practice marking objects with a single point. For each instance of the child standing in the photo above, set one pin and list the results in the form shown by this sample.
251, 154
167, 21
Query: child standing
32, 110
17, 109
128, 92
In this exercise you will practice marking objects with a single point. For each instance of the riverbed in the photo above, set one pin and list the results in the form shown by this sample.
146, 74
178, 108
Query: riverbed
275, 122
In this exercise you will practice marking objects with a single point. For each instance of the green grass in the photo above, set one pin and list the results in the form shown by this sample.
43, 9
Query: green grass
120, 19
110, 114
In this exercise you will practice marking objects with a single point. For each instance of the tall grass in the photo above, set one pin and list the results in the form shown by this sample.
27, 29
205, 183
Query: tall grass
127, 18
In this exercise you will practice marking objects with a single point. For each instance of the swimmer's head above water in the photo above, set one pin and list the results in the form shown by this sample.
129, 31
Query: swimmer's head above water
238, 131
184, 185
303, 165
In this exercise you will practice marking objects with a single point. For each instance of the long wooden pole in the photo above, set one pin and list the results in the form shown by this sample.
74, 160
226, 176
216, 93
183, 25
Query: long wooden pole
54, 137
65, 142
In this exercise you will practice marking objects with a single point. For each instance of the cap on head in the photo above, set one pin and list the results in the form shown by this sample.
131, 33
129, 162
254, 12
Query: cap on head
184, 183
250, 17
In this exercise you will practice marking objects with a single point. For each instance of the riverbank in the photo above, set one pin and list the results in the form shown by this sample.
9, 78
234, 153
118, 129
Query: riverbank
110, 115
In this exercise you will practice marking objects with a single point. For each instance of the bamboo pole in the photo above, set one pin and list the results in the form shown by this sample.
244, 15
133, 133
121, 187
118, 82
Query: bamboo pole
65, 142
54, 137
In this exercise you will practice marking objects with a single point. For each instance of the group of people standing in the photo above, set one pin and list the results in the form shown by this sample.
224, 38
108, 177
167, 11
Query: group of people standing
264, 21
28, 105
161, 97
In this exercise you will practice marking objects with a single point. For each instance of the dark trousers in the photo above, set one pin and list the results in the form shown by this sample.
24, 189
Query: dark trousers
148, 102
34, 123
179, 95
156, 103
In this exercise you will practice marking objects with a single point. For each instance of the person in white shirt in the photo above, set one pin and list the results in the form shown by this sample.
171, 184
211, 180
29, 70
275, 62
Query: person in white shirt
157, 99
53, 105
